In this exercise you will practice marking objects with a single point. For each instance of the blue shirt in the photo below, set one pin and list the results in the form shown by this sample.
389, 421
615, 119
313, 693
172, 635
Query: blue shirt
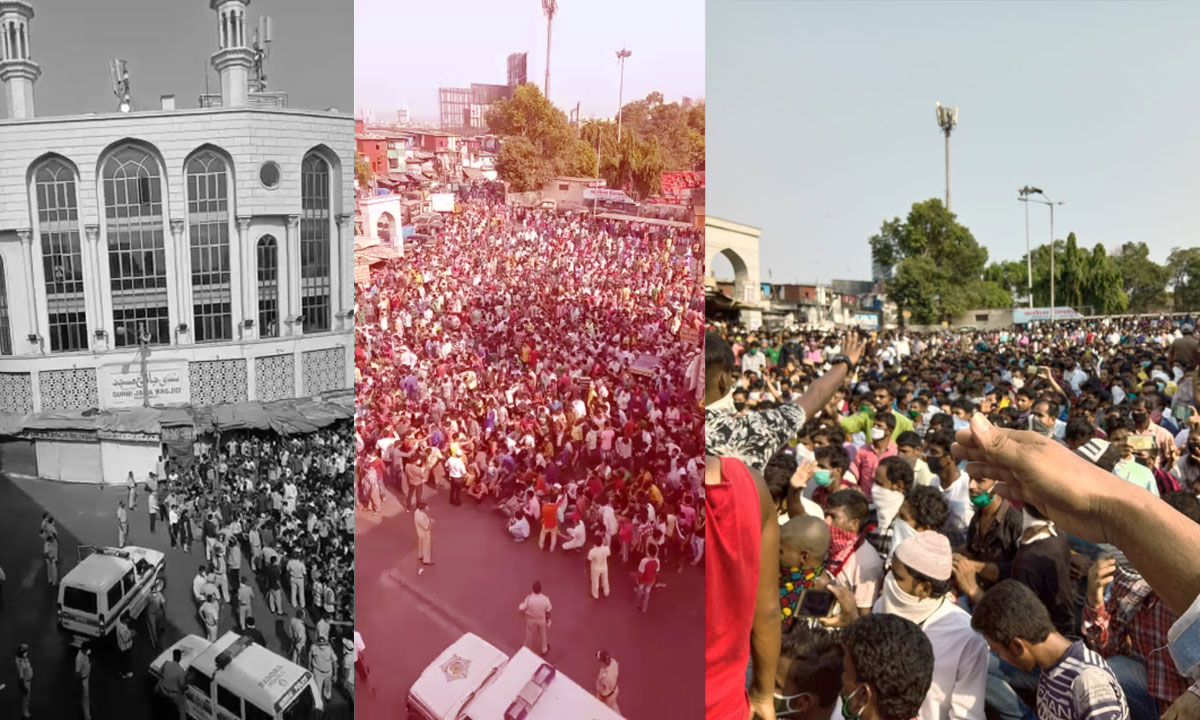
1080, 686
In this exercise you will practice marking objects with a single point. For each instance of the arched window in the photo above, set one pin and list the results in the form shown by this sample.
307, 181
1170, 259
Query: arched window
268, 287
315, 283
62, 259
208, 233
137, 259
5, 331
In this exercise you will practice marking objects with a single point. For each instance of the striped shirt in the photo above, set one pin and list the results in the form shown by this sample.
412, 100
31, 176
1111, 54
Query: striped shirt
1080, 685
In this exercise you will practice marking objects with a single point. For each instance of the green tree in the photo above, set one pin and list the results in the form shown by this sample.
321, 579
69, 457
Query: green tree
678, 130
1104, 289
1184, 267
1144, 280
545, 144
522, 165
938, 265
362, 170
1083, 279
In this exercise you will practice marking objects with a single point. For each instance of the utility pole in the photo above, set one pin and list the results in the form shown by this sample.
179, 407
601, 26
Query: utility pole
947, 118
549, 7
621, 55
1025, 192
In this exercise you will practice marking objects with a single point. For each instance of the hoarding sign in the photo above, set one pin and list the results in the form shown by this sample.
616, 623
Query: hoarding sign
1021, 316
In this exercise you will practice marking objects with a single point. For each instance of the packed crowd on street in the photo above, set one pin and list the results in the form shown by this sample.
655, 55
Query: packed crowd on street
983, 523
546, 366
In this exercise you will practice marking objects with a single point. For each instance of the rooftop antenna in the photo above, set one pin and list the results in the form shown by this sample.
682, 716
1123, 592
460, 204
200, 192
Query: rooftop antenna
120, 82
262, 53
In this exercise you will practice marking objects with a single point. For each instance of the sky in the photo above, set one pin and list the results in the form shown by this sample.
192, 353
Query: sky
167, 45
821, 124
405, 51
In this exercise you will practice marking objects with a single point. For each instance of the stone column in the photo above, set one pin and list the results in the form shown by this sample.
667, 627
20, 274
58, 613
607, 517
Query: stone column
343, 268
97, 313
26, 236
248, 280
183, 283
289, 269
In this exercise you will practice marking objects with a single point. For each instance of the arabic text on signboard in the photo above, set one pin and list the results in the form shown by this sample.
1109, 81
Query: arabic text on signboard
160, 384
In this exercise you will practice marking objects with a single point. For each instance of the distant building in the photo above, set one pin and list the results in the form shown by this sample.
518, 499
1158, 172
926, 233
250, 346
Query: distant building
517, 69
465, 109
403, 117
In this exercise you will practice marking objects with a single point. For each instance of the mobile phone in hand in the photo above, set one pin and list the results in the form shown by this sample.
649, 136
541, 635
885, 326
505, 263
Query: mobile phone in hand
816, 603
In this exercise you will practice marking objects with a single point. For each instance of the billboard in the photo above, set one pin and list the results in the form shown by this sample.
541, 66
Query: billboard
607, 195
1022, 316
516, 69
442, 202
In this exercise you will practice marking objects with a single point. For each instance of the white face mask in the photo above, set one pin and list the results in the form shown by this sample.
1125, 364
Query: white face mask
887, 503
877, 433
898, 602
1042, 528
901, 531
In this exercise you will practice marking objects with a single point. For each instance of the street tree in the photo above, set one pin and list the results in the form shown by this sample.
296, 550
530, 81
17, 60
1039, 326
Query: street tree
1184, 267
545, 144
1144, 280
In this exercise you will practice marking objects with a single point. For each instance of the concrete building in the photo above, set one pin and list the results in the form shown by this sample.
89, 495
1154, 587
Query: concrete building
172, 256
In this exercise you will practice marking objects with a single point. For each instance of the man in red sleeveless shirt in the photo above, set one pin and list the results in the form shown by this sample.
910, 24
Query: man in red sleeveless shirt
741, 588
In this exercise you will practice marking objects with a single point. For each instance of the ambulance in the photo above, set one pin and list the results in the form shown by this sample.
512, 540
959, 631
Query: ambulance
473, 680
235, 679
106, 583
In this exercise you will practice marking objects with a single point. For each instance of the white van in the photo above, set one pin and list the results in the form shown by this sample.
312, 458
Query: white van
473, 680
235, 679
105, 584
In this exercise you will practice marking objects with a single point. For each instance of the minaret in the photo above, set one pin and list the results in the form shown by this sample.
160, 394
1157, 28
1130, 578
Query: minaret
17, 71
234, 58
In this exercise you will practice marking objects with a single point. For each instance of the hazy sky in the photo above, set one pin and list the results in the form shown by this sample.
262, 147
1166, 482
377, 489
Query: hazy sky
404, 51
167, 45
821, 123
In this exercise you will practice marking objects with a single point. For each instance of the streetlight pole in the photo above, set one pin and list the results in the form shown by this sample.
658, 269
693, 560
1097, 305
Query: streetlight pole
1046, 201
947, 118
621, 55
549, 7
1025, 192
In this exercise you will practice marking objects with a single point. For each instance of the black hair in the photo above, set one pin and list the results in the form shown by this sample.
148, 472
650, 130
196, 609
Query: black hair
778, 474
929, 507
717, 352
854, 501
835, 454
1185, 502
1079, 428
888, 419
1120, 422
943, 438
816, 662
893, 656
898, 472
909, 438
937, 588
1010, 610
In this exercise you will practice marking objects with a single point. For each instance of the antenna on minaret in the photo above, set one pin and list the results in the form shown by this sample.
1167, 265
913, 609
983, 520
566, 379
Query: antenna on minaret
262, 53
120, 82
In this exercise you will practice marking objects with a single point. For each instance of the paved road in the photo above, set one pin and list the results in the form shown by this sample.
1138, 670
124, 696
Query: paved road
86, 514
480, 577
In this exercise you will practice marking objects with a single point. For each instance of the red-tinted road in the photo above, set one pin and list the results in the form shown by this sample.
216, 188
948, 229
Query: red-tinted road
480, 577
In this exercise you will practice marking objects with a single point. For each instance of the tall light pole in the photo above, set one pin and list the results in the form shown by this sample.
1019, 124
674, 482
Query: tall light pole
1049, 203
1025, 192
947, 118
549, 7
621, 55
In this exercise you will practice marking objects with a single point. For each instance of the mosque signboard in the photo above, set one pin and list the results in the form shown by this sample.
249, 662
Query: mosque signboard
127, 385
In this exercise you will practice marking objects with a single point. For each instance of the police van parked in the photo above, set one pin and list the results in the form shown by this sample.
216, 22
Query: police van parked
473, 680
234, 678
105, 584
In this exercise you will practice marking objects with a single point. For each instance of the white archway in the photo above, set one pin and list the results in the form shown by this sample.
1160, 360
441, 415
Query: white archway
739, 245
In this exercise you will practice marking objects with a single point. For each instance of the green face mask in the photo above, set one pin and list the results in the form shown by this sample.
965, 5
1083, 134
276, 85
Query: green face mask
823, 477
982, 500
846, 714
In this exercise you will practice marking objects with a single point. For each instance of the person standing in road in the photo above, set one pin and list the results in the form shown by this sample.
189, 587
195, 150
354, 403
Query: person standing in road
174, 683
458, 470
346, 673
233, 563
25, 678
298, 634
122, 523
606, 680
245, 596
83, 671
254, 537
549, 522
424, 525
647, 573
322, 661
156, 611
131, 487
274, 581
152, 508
219, 571
50, 555
251, 631
209, 614
597, 559
125, 645
295, 571
536, 608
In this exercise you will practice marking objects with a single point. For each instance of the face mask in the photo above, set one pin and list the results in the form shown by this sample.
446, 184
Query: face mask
823, 478
887, 504
739, 406
783, 705
877, 433
897, 602
1139, 417
934, 463
1039, 427
846, 714
982, 500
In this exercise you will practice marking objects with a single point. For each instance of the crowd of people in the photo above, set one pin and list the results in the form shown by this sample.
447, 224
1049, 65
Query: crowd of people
953, 494
269, 515
538, 363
